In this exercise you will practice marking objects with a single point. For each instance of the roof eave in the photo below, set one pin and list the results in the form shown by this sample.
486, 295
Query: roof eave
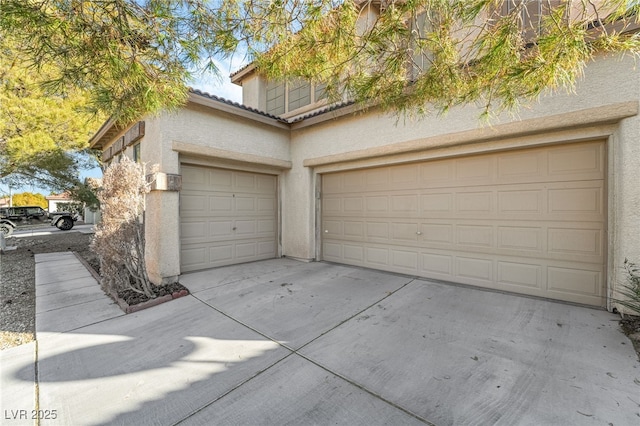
105, 134
221, 104
242, 73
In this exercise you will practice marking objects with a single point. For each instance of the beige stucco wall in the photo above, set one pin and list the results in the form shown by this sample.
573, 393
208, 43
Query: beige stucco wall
200, 126
607, 83
604, 105
254, 92
624, 199
161, 222
238, 142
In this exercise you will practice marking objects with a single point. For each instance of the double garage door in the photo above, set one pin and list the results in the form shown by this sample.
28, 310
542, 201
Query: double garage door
226, 217
529, 221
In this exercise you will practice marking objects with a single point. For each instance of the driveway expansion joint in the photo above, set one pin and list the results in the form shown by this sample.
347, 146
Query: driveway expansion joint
69, 305
233, 388
357, 314
296, 352
365, 389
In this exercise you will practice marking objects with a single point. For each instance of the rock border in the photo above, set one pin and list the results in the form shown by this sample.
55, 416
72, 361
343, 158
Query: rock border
129, 309
122, 304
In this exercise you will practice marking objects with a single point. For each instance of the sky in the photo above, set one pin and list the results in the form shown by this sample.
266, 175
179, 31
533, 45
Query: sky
221, 87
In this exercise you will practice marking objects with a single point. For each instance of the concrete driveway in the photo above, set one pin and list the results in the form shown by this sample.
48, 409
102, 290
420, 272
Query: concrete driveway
284, 342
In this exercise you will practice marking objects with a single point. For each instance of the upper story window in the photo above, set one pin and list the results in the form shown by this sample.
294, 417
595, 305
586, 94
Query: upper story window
421, 58
299, 95
320, 91
283, 98
530, 14
136, 152
276, 98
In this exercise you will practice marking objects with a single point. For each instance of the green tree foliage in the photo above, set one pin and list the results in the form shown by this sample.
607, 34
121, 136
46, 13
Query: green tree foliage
76, 208
136, 56
43, 135
435, 54
30, 199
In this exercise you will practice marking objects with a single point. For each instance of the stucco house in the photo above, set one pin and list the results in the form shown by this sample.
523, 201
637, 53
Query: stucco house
54, 199
543, 203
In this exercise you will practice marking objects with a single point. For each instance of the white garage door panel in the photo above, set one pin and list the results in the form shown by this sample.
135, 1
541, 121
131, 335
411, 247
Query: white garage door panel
226, 217
530, 221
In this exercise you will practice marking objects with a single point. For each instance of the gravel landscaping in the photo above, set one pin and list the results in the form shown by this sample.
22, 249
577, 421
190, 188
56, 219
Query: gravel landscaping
17, 280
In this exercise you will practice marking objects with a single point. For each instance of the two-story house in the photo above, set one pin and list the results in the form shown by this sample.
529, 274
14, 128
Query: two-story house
545, 204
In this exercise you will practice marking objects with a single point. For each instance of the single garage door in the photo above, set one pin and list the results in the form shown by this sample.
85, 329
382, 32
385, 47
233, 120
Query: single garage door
226, 217
529, 221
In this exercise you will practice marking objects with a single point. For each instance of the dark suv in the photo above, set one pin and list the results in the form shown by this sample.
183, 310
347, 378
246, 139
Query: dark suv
61, 220
24, 213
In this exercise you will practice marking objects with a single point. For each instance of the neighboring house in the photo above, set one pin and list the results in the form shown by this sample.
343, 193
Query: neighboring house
54, 199
64, 202
92, 214
546, 203
5, 202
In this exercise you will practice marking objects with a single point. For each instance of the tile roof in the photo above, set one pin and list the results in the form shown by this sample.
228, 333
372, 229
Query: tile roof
321, 111
110, 129
292, 120
238, 71
236, 104
62, 196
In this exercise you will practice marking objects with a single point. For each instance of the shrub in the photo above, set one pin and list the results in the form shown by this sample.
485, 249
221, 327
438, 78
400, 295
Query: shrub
70, 207
119, 240
631, 289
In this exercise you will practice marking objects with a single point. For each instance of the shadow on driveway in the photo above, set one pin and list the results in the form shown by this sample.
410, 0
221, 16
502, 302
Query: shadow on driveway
284, 342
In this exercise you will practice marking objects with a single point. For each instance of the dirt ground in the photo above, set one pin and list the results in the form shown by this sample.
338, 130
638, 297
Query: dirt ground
17, 285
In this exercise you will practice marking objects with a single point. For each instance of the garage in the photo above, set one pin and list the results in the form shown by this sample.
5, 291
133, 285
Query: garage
226, 217
530, 221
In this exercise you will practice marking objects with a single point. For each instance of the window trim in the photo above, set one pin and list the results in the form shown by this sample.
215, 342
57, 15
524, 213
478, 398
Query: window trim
313, 103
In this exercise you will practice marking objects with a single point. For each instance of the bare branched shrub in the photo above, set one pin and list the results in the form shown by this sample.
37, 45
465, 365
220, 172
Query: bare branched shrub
119, 240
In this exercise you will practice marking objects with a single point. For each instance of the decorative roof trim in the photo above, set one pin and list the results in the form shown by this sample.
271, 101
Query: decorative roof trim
206, 99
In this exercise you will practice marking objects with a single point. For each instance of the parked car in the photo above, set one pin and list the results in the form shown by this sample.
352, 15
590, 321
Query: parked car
63, 220
15, 215
7, 227
24, 213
